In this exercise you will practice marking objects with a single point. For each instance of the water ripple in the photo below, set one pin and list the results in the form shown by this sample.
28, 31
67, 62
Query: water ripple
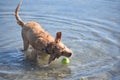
90, 28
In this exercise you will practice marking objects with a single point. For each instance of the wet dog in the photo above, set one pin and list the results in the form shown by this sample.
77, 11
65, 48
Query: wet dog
41, 41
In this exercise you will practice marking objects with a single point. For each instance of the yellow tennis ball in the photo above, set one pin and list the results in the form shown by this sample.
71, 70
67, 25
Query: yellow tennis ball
65, 61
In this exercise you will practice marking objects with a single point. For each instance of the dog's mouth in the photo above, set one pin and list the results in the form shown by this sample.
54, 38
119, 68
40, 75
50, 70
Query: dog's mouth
66, 54
53, 57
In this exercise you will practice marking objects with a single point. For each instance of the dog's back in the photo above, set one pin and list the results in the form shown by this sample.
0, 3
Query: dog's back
42, 42
36, 35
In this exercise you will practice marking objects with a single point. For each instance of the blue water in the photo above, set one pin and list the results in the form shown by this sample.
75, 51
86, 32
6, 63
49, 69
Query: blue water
91, 28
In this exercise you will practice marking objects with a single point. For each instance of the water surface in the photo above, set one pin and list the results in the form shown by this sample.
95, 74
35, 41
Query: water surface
91, 28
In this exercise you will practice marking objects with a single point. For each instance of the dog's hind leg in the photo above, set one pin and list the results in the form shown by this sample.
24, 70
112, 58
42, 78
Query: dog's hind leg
25, 42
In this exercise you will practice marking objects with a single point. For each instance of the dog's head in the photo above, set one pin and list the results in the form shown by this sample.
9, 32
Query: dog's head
57, 48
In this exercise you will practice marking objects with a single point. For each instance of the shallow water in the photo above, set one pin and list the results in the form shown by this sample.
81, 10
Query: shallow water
91, 28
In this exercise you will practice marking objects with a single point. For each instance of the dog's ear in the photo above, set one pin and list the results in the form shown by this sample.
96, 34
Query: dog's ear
58, 37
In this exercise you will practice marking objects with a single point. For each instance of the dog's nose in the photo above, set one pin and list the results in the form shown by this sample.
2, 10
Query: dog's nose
69, 54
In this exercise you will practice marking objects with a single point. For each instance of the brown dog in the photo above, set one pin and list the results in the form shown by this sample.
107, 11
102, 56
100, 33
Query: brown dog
42, 42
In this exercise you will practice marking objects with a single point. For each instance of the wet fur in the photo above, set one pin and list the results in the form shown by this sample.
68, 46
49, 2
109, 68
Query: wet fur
41, 41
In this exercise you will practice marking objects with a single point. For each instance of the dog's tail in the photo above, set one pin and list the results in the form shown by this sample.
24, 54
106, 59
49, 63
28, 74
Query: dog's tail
19, 20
